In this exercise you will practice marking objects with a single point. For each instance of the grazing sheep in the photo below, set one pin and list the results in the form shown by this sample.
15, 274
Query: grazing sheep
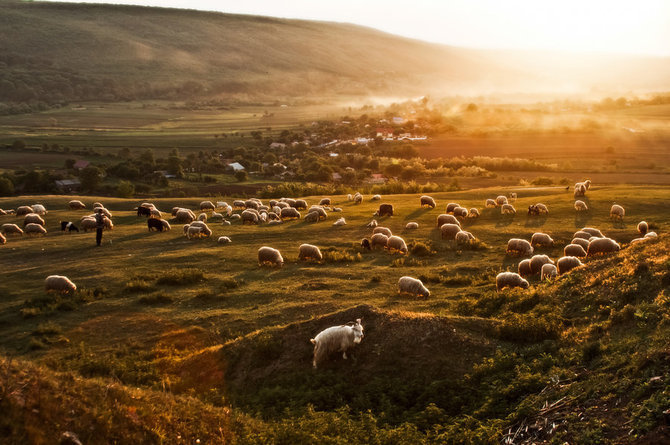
617, 212
507, 209
540, 239
581, 242
289, 201
23, 210
538, 209
593, 232
567, 263
372, 224
33, 218
385, 230
235, 217
105, 212
337, 209
473, 213
447, 219
300, 204
289, 213
576, 250
221, 204
449, 231
311, 217
268, 255
461, 212
98, 204
3, 240
512, 196
225, 223
537, 261
223, 240
184, 216
9, 229
227, 210
251, 204
601, 246
198, 224
350, 197
275, 222
412, 286
580, 206
464, 237
396, 244
582, 234
580, 190
309, 251
427, 201
340, 222
216, 215
384, 210
650, 235
501, 200
250, 216
336, 339
517, 246
59, 283
378, 239
207, 205
194, 232
34, 229
510, 279
643, 227
587, 184
280, 205
365, 243
324, 202
39, 209
202, 217
87, 224
548, 272
320, 211
450, 207
358, 198
411, 226
376, 198
490, 203
76, 205
524, 268
238, 204
155, 213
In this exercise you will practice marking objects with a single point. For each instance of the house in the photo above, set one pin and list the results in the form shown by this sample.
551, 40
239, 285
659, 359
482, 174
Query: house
235, 166
68, 185
277, 145
81, 164
376, 178
165, 174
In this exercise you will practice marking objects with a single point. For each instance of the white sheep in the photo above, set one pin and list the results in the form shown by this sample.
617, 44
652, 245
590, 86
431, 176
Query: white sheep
34, 229
512, 196
11, 229
412, 286
289, 213
23, 210
449, 231
524, 268
463, 237
311, 217
490, 203
33, 218
309, 251
337, 209
447, 219
510, 279
582, 242
166, 225
376, 198
372, 224
39, 209
576, 250
250, 216
202, 217
540, 239
501, 200
580, 206
223, 240
593, 232
411, 226
650, 235
396, 244
76, 205
537, 261
643, 227
336, 339
601, 246
548, 272
324, 202
268, 255
427, 201
59, 283
350, 197
582, 234
225, 223
460, 212
358, 198
385, 230
516, 246
221, 204
450, 207
340, 222
87, 224
567, 263
617, 212
473, 213
507, 209
378, 239
207, 205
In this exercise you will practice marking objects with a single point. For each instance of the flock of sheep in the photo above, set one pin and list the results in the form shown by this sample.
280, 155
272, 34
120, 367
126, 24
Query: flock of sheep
587, 242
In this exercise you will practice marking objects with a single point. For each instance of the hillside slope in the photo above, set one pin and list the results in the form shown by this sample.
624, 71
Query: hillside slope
54, 52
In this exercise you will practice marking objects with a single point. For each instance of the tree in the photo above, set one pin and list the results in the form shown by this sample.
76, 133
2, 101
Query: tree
241, 175
90, 178
147, 157
125, 189
393, 169
6, 187
69, 163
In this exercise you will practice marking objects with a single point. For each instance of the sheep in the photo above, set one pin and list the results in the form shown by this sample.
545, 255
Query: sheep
427, 201
225, 223
337, 209
412, 286
235, 217
517, 246
105, 212
309, 251
9, 229
227, 210
567, 263
34, 229
385, 230
365, 244
537, 261
223, 240
207, 205
87, 224
396, 244
378, 239
300, 204
275, 222
250, 216
147, 205
576, 250
580, 206
582, 234
602, 246
238, 204
463, 237
372, 224
524, 268
268, 255
39, 209
411, 226
540, 239
538, 209
501, 200
311, 217
340, 222
593, 232
336, 339
109, 225
643, 227
59, 283
216, 215
194, 232
447, 219
358, 198
587, 184
376, 198
289, 213
184, 216
450, 207
510, 279
289, 201
324, 202
320, 211
581, 242
33, 218
23, 210
198, 224
76, 205
650, 235
617, 212
507, 209
580, 190
548, 272
490, 203
461, 212
350, 197
512, 196
202, 217
449, 231
3, 240
155, 213
473, 213
97, 204
384, 210
251, 204
221, 204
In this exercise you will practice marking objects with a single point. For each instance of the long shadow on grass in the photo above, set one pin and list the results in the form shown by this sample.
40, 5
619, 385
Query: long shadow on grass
535, 221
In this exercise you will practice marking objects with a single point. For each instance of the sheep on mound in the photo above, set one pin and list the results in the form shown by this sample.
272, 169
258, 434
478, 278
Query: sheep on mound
23, 210
378, 239
582, 242
412, 286
540, 239
524, 268
34, 229
601, 246
385, 230
336, 339
510, 279
537, 261
427, 201
548, 272
463, 237
33, 218
617, 212
517, 246
576, 250
447, 219
11, 229
309, 251
567, 263
581, 206
643, 227
76, 205
270, 256
449, 231
59, 283
396, 244
450, 207
593, 231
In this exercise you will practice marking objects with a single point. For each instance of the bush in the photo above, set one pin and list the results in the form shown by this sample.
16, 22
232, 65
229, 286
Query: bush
241, 175
419, 248
157, 298
125, 189
180, 277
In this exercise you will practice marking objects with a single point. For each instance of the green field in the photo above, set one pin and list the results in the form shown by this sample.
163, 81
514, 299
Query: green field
153, 309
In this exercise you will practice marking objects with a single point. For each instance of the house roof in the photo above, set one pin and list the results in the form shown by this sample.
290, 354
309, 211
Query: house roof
236, 166
81, 164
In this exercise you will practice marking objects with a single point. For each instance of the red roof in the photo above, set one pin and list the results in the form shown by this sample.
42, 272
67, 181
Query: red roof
81, 164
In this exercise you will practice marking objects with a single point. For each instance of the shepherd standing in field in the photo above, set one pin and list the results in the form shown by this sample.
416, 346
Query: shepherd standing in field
99, 226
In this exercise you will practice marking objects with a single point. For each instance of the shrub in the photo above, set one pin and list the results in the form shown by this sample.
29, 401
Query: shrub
138, 285
334, 255
527, 329
180, 277
156, 298
419, 248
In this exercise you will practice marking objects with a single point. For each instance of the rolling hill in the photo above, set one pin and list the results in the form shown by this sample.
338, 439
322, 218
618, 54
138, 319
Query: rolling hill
64, 52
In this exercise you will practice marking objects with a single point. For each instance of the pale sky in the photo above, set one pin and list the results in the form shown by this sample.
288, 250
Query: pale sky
612, 26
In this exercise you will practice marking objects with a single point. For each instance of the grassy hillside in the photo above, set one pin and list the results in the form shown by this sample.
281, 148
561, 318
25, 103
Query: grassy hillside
64, 52
200, 330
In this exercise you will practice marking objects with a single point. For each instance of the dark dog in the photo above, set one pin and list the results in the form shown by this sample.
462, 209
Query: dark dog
67, 225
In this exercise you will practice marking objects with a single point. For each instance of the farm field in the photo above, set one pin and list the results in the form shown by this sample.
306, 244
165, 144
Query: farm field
156, 310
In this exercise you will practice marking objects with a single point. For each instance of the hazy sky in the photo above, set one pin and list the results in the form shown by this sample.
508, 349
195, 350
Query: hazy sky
622, 26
